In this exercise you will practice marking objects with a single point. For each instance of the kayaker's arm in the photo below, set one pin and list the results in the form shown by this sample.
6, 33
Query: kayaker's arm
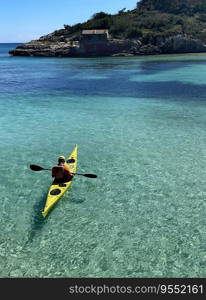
38, 168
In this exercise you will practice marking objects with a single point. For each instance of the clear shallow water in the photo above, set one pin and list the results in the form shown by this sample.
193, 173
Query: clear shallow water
140, 126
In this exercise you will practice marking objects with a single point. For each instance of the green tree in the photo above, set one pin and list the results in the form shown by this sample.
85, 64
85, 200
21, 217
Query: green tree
133, 32
187, 7
100, 15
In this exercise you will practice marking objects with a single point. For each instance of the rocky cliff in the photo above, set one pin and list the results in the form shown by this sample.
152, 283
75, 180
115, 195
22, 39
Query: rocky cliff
113, 47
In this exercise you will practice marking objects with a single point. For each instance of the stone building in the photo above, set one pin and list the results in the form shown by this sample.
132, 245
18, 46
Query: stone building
93, 42
95, 35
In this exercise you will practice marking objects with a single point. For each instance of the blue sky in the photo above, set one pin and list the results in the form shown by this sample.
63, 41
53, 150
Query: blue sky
24, 20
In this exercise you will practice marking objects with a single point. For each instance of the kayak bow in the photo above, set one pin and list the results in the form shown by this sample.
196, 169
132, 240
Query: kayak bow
57, 190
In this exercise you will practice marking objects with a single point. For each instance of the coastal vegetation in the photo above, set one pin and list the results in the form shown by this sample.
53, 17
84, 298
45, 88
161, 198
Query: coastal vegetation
148, 21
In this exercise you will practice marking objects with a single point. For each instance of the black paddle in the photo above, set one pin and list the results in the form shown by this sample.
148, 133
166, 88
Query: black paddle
38, 168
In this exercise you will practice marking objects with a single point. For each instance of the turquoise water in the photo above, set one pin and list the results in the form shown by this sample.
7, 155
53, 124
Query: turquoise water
140, 126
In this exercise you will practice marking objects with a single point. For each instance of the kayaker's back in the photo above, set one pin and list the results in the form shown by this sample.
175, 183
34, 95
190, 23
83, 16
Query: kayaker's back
58, 172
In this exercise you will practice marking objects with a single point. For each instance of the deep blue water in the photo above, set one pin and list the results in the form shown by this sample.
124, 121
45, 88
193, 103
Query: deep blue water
140, 126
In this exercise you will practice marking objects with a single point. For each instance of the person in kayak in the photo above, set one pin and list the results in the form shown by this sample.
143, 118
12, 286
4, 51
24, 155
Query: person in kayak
61, 171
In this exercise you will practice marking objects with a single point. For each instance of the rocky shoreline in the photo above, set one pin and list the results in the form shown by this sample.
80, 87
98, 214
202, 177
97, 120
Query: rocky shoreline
59, 47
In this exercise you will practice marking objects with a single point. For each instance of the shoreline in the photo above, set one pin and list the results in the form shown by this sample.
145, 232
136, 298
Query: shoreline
115, 56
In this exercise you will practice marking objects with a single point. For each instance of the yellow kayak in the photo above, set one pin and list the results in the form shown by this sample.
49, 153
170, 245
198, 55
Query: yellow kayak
57, 190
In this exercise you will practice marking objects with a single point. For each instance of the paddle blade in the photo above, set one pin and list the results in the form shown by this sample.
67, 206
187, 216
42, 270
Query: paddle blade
90, 175
36, 168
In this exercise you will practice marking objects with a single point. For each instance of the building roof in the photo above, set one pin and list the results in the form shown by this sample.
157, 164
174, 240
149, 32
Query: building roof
95, 31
